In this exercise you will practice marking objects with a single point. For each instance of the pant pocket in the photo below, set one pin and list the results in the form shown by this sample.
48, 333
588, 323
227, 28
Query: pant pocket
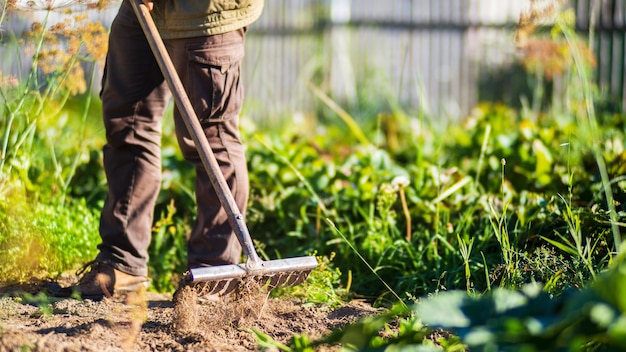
215, 86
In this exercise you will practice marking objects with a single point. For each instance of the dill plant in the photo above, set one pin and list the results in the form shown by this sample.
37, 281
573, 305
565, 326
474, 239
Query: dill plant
44, 231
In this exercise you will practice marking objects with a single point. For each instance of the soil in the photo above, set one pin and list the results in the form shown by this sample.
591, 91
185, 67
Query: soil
148, 321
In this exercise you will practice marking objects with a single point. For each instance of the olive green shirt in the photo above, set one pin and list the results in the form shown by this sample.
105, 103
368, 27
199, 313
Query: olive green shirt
195, 18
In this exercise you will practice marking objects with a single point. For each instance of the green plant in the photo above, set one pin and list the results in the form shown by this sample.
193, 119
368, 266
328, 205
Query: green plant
168, 251
301, 181
43, 231
397, 329
530, 319
572, 57
40, 300
573, 244
466, 249
32, 106
39, 241
322, 287
500, 227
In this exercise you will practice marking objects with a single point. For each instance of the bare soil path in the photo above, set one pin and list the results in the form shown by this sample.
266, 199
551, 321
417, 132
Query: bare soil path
153, 322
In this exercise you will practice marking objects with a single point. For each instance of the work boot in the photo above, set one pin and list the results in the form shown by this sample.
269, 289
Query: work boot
102, 280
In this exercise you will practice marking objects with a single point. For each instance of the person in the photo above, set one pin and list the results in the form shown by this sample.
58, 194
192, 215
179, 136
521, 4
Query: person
205, 40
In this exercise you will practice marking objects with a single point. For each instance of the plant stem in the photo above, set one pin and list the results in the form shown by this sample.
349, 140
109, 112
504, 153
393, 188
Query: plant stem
594, 136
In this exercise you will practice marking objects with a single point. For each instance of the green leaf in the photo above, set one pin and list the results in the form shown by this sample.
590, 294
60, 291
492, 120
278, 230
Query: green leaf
561, 246
445, 310
544, 158
266, 341
602, 314
617, 331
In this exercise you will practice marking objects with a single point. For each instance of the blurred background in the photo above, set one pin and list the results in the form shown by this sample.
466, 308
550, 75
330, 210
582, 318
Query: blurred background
437, 58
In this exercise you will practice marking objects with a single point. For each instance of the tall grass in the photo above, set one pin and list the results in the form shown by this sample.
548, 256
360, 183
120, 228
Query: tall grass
591, 135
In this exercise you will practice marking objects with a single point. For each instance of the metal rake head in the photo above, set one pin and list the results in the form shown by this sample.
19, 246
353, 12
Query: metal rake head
224, 279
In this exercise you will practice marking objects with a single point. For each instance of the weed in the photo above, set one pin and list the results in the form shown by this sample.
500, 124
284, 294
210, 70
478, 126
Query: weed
168, 250
322, 287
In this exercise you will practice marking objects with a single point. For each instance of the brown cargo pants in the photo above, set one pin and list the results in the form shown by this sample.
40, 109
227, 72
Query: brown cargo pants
134, 97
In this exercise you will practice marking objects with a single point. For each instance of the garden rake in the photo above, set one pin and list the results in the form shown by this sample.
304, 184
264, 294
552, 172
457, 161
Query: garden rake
220, 279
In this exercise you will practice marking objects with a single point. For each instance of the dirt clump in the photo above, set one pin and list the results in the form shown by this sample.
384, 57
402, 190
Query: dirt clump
148, 321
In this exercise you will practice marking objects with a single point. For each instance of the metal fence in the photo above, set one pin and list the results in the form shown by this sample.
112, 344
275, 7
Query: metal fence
607, 18
423, 54
441, 57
